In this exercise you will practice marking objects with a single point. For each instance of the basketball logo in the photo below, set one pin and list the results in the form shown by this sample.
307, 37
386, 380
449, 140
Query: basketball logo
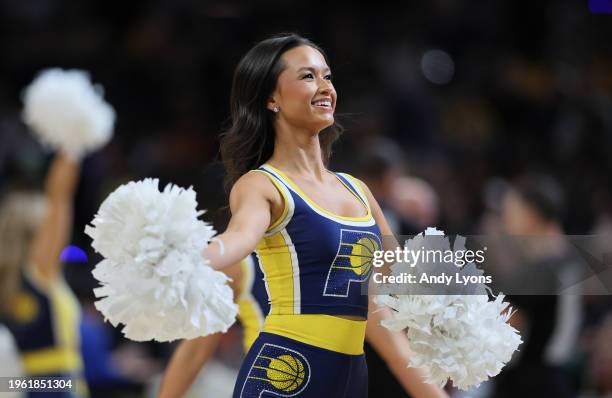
278, 371
352, 263
285, 372
362, 254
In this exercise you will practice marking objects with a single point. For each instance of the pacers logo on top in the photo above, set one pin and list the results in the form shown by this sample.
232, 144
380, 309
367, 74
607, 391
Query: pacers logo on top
352, 263
277, 370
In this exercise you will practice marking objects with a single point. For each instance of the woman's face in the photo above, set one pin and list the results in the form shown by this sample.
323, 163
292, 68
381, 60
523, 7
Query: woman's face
517, 216
304, 91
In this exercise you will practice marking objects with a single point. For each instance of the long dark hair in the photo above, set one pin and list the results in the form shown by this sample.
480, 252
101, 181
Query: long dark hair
249, 141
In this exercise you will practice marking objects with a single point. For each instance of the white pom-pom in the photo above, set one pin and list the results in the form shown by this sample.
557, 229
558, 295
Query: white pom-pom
67, 112
155, 279
464, 338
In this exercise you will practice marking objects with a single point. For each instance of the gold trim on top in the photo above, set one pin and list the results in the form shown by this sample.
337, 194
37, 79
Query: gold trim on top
283, 215
297, 189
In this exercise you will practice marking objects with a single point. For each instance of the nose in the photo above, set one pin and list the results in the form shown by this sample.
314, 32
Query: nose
325, 86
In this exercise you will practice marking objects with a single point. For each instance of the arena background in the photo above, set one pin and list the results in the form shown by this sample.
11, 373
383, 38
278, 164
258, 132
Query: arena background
460, 97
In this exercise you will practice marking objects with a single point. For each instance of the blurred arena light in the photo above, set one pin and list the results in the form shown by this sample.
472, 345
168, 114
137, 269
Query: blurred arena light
438, 67
73, 254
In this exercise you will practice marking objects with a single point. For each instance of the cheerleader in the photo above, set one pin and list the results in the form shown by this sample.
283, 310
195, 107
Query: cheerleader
69, 115
37, 305
312, 229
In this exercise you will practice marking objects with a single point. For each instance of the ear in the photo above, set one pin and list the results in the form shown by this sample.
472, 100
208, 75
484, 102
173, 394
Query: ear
272, 103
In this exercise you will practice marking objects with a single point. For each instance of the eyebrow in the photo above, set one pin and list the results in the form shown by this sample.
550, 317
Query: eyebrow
310, 68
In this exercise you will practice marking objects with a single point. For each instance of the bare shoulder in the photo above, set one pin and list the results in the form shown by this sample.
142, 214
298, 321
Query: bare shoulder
252, 193
363, 186
253, 187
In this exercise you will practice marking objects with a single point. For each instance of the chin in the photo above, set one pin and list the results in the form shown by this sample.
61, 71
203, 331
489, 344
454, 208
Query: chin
327, 123
319, 124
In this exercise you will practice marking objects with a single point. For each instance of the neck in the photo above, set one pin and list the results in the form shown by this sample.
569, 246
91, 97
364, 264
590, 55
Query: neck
548, 229
548, 241
298, 152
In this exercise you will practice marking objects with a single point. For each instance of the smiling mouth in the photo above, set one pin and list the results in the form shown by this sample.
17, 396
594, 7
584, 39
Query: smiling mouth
326, 104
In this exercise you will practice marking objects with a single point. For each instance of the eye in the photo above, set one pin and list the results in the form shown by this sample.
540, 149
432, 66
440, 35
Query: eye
329, 77
308, 76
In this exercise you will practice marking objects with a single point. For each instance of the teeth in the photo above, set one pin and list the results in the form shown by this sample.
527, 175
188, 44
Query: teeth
323, 103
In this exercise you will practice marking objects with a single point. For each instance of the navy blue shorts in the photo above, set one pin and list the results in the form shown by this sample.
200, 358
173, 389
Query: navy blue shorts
277, 366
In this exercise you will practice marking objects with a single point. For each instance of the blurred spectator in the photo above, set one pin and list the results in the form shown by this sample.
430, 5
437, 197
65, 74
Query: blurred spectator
416, 203
549, 322
36, 304
379, 164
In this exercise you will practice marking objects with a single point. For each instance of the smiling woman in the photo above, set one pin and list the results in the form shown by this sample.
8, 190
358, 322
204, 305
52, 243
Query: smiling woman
305, 223
313, 230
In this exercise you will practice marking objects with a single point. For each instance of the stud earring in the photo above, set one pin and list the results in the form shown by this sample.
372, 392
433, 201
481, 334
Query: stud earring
276, 109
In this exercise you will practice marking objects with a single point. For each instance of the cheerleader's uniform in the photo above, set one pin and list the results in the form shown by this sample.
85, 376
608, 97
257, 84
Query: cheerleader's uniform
315, 266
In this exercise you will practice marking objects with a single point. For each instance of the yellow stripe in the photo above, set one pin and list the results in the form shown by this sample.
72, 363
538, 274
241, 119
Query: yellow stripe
275, 259
282, 217
325, 331
65, 309
51, 360
313, 204
247, 277
65, 357
249, 313
363, 198
251, 321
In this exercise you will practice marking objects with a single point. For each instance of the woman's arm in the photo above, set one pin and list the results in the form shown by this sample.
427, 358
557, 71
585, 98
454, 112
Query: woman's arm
252, 200
186, 362
53, 234
392, 346
388, 240
394, 349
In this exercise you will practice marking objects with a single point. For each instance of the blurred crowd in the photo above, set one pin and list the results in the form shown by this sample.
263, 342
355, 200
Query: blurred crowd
475, 117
